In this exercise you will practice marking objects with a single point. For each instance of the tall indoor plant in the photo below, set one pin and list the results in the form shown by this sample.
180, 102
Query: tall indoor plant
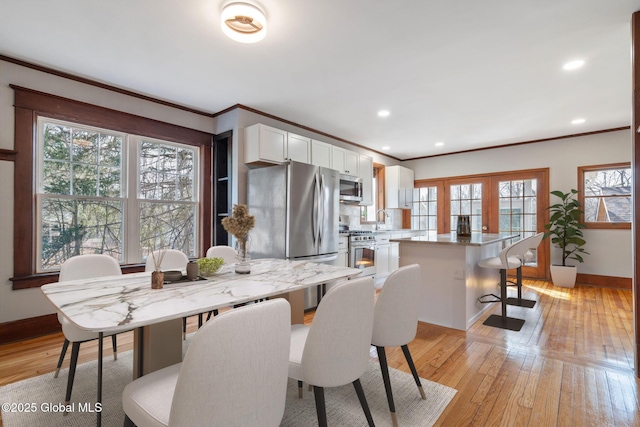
565, 230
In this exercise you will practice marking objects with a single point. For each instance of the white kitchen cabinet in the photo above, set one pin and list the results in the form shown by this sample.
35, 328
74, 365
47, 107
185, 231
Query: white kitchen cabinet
382, 258
398, 187
365, 167
344, 161
298, 148
343, 251
266, 144
320, 153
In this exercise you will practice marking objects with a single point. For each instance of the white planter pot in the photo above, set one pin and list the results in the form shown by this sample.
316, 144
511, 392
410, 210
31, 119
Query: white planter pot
564, 276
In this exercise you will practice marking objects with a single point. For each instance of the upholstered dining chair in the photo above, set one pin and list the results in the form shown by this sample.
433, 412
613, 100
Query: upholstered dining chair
173, 259
395, 322
82, 267
334, 350
234, 374
509, 258
228, 254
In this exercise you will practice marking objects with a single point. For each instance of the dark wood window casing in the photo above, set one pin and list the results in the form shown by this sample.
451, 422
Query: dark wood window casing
29, 105
581, 198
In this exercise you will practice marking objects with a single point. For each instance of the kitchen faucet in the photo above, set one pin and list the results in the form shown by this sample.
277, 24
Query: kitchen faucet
386, 215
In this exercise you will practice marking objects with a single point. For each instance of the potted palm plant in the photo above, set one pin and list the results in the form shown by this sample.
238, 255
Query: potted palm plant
565, 230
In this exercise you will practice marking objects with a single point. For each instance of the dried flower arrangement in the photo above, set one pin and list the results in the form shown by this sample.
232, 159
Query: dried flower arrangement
239, 224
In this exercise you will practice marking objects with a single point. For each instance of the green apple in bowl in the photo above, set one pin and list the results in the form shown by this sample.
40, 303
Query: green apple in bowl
209, 266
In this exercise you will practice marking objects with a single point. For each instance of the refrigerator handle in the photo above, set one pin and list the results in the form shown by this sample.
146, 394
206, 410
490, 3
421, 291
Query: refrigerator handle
314, 215
322, 210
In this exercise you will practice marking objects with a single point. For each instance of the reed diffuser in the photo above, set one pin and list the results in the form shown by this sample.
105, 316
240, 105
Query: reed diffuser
157, 276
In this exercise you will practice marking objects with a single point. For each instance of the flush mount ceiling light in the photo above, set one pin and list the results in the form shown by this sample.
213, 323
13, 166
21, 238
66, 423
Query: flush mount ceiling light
386, 147
243, 22
573, 65
577, 121
439, 144
383, 113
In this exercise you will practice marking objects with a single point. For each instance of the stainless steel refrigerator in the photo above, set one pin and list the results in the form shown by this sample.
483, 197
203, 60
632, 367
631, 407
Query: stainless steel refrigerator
296, 206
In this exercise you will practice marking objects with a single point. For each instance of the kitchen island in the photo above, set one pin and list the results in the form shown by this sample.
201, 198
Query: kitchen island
452, 281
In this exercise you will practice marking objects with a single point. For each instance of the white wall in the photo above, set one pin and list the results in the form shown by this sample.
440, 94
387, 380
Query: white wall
27, 303
610, 250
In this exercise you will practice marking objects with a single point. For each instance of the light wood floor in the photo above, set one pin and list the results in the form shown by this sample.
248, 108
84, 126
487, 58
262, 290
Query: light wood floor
571, 364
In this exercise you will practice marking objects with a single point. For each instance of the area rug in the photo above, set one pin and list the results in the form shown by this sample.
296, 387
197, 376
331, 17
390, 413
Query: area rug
38, 401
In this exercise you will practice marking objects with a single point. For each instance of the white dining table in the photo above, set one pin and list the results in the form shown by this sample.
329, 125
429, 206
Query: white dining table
111, 304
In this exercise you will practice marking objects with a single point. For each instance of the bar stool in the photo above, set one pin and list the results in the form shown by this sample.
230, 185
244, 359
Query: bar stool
525, 245
506, 260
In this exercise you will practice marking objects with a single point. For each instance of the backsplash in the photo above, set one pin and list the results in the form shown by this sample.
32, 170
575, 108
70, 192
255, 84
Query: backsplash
393, 222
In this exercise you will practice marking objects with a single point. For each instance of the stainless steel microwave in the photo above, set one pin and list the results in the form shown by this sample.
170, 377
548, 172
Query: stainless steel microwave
350, 189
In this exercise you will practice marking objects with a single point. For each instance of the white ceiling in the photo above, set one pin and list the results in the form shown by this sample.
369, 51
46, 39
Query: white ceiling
468, 73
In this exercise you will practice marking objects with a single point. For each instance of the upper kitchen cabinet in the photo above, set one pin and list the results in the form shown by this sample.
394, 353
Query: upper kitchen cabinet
398, 187
344, 161
266, 144
366, 173
320, 153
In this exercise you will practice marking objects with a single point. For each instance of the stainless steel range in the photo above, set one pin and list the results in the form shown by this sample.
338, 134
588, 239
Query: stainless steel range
362, 251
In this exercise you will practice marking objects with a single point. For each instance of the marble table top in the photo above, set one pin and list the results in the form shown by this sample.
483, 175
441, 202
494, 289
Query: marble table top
476, 239
115, 303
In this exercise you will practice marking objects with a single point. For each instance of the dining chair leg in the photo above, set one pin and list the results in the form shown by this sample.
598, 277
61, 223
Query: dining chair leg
321, 410
128, 422
99, 394
363, 402
214, 313
407, 355
299, 389
382, 357
199, 320
63, 352
75, 349
114, 343
184, 328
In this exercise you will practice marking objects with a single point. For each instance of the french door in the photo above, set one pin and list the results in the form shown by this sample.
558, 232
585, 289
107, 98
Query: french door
502, 203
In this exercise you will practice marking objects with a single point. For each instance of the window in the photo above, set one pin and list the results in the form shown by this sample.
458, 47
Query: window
424, 213
100, 178
466, 199
91, 202
499, 203
605, 195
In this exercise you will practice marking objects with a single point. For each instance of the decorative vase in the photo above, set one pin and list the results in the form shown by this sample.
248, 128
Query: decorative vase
157, 279
243, 265
192, 270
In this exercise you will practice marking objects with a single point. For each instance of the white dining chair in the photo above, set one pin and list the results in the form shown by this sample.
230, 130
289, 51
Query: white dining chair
395, 322
234, 374
82, 267
334, 350
172, 259
227, 253
509, 258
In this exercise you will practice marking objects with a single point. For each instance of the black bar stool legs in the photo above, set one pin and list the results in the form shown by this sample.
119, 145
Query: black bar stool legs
528, 303
503, 321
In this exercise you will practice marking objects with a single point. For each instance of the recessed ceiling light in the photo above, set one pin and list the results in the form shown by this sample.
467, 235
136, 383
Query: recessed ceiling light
577, 121
386, 147
243, 22
439, 144
573, 65
383, 113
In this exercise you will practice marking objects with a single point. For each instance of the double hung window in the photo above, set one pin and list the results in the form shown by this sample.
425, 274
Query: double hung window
103, 191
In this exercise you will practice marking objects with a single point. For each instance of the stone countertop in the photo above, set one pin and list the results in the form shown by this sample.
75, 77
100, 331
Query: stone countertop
127, 301
476, 239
